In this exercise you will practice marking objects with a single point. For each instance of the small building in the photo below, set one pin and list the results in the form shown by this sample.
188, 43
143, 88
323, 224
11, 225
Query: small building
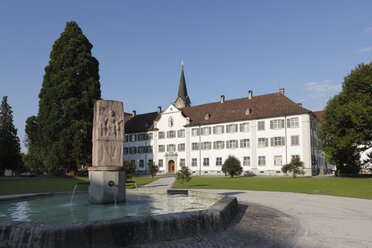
264, 132
9, 173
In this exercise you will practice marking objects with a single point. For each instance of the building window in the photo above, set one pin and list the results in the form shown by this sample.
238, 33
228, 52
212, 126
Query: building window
277, 124
195, 146
261, 160
181, 133
295, 140
132, 137
244, 143
161, 135
195, 132
246, 161
205, 161
141, 149
161, 148
261, 125
244, 127
277, 141
206, 145
206, 130
171, 148
232, 144
278, 160
194, 162
295, 156
148, 149
218, 129
126, 138
141, 163
181, 147
263, 142
171, 134
160, 162
133, 162
232, 128
141, 137
292, 122
219, 161
151, 161
182, 162
219, 144
125, 150
150, 136
133, 150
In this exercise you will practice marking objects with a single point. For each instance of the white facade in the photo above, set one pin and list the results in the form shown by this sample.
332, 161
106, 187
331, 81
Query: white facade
261, 145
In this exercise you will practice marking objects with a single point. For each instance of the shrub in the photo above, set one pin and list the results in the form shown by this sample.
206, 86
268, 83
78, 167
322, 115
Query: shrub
296, 167
130, 169
153, 169
232, 166
183, 175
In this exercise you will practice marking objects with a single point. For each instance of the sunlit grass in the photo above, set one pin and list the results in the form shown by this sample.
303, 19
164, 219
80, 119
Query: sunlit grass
349, 187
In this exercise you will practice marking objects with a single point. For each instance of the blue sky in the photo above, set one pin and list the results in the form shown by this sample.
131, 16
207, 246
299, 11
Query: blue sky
229, 47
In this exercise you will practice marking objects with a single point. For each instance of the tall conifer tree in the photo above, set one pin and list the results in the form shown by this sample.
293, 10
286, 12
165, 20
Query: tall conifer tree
10, 156
61, 134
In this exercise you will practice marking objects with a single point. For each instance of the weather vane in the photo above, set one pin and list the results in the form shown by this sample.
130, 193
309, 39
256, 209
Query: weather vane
182, 63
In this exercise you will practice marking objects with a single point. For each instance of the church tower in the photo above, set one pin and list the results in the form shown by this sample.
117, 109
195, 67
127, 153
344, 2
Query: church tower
183, 99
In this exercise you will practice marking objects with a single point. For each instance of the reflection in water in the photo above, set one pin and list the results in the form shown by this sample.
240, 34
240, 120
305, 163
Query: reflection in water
58, 209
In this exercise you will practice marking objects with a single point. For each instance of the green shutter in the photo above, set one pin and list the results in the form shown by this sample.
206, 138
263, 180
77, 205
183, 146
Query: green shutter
288, 122
283, 141
272, 141
241, 127
271, 124
223, 129
214, 130
209, 130
236, 127
241, 144
282, 123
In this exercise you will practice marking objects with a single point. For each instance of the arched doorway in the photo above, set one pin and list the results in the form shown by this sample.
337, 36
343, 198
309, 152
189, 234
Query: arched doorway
171, 167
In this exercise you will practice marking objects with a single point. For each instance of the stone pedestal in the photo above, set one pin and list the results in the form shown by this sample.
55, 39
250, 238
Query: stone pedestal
100, 192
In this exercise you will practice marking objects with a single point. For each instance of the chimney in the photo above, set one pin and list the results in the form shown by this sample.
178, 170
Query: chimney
281, 91
159, 109
133, 113
222, 98
250, 94
299, 104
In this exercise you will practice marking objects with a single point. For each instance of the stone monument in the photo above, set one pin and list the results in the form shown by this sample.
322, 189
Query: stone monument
107, 176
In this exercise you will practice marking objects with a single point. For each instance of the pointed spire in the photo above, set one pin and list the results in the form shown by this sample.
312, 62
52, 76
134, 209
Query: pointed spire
183, 99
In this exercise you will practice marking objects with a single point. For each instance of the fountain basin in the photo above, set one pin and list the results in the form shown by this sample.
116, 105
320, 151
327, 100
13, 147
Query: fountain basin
123, 231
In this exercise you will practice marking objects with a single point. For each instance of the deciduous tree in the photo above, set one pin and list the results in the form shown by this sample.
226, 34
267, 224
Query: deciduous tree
346, 128
295, 167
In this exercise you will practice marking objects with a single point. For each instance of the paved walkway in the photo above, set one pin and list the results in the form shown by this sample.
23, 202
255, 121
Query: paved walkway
266, 218
161, 183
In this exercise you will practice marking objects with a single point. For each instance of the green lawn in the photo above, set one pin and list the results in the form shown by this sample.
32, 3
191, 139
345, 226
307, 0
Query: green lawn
349, 187
53, 184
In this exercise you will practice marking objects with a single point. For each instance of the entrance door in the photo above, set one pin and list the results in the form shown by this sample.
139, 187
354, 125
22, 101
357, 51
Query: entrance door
171, 167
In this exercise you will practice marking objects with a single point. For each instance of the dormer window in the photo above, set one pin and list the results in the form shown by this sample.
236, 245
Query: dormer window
207, 116
248, 111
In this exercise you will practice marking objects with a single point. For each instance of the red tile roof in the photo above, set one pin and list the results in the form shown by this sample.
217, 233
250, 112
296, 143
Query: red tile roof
263, 106
319, 115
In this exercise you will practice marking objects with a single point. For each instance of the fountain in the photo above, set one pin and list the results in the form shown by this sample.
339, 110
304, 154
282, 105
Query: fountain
107, 186
107, 153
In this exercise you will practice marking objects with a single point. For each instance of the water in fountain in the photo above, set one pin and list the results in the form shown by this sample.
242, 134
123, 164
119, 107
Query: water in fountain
73, 192
38, 209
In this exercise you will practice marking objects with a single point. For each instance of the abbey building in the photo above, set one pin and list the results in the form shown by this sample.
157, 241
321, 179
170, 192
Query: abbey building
264, 132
